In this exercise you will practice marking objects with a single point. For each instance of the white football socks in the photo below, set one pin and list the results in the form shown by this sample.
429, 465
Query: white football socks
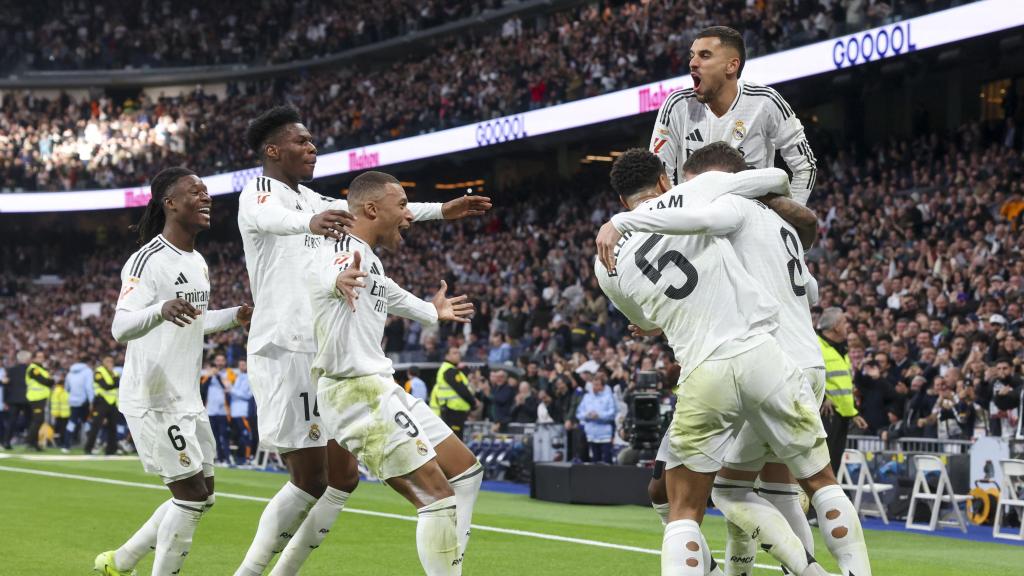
174, 536
740, 551
466, 487
280, 520
436, 540
311, 533
786, 499
840, 525
754, 515
683, 549
142, 542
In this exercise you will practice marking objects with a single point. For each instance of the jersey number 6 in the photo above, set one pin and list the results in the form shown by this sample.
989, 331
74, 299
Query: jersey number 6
177, 440
670, 256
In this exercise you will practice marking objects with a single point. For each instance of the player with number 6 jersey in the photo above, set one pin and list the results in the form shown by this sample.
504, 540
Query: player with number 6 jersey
163, 313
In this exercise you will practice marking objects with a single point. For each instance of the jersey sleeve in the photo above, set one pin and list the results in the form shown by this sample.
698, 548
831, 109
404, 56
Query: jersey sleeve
403, 303
718, 218
667, 137
264, 211
610, 286
426, 211
138, 284
755, 183
787, 134
330, 263
220, 320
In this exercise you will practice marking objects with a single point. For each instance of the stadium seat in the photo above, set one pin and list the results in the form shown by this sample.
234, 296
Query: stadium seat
864, 483
265, 459
1010, 497
943, 494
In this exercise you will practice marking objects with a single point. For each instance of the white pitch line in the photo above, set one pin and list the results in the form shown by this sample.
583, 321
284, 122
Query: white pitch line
525, 533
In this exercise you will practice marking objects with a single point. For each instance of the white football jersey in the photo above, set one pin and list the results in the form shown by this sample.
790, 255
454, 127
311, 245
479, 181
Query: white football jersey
161, 369
767, 246
279, 248
758, 123
349, 343
691, 287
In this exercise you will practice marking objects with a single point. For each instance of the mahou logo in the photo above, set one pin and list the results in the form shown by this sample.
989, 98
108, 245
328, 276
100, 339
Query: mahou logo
361, 160
136, 197
651, 99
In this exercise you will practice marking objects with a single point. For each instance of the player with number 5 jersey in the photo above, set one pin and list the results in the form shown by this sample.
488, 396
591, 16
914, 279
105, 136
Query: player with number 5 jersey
163, 314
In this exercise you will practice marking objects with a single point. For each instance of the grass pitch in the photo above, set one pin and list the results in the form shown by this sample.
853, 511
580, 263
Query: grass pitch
56, 524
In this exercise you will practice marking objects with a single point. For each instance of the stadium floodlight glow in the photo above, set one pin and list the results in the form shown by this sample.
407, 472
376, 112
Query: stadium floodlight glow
899, 38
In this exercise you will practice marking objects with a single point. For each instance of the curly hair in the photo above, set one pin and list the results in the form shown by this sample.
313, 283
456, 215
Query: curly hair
636, 170
266, 125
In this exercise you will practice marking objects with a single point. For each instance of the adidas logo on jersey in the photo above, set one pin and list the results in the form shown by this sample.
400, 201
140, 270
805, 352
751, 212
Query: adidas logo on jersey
694, 136
181, 279
374, 270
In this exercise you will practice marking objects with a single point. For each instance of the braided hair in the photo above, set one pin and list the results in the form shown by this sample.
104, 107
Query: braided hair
153, 218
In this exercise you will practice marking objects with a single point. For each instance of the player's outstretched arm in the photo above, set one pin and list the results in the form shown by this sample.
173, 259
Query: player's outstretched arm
133, 324
800, 217
757, 183
456, 309
404, 304
462, 207
347, 283
227, 318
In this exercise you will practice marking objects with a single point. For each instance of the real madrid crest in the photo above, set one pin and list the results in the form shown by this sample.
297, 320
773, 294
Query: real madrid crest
314, 432
184, 460
421, 448
739, 132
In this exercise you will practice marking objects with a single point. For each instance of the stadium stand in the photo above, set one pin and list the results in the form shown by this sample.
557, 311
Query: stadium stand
933, 285
88, 143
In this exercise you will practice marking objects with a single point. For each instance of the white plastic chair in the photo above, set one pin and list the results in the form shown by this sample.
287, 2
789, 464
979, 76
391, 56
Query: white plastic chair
943, 495
262, 460
863, 483
1013, 478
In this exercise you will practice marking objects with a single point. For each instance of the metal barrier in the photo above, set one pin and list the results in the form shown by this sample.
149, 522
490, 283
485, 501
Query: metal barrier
915, 445
865, 443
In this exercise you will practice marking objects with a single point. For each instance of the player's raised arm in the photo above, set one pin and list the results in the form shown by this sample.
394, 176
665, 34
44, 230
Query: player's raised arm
788, 137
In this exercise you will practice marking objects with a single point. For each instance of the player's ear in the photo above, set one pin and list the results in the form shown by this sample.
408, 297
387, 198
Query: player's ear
664, 184
271, 152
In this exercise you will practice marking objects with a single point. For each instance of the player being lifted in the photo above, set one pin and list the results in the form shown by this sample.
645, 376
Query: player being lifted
363, 408
719, 321
770, 249
162, 314
721, 107
282, 222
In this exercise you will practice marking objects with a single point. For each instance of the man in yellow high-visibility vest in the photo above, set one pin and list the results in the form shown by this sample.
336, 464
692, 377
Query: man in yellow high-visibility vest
104, 406
60, 413
452, 399
838, 408
37, 392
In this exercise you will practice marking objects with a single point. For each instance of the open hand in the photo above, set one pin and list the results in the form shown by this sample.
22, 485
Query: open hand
179, 311
465, 206
638, 332
607, 238
349, 280
457, 309
331, 223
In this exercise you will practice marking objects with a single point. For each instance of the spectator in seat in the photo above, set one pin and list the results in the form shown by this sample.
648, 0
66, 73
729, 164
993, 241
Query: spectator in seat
525, 409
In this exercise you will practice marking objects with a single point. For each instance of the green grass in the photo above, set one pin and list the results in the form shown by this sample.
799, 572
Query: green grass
75, 519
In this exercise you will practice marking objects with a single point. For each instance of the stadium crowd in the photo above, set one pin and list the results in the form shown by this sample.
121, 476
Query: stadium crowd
115, 34
920, 244
87, 143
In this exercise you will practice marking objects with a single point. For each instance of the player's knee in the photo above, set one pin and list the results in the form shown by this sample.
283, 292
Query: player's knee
346, 480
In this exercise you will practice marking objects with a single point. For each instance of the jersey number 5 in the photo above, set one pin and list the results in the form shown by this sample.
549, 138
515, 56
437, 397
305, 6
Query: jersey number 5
669, 257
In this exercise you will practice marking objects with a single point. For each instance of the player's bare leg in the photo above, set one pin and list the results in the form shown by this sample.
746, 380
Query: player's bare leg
436, 540
684, 552
465, 475
342, 480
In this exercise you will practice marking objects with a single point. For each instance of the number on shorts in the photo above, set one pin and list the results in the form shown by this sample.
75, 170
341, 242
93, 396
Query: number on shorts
403, 420
793, 250
305, 405
178, 441
669, 257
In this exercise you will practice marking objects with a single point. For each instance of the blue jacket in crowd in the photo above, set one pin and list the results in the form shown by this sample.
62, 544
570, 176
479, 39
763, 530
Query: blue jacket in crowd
601, 428
240, 395
78, 383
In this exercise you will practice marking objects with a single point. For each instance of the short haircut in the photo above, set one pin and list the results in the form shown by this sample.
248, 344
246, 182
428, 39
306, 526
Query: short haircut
23, 356
728, 37
265, 126
636, 170
829, 318
715, 156
369, 186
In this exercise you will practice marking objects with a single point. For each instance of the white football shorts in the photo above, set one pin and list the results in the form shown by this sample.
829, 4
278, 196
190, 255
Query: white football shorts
173, 445
286, 407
